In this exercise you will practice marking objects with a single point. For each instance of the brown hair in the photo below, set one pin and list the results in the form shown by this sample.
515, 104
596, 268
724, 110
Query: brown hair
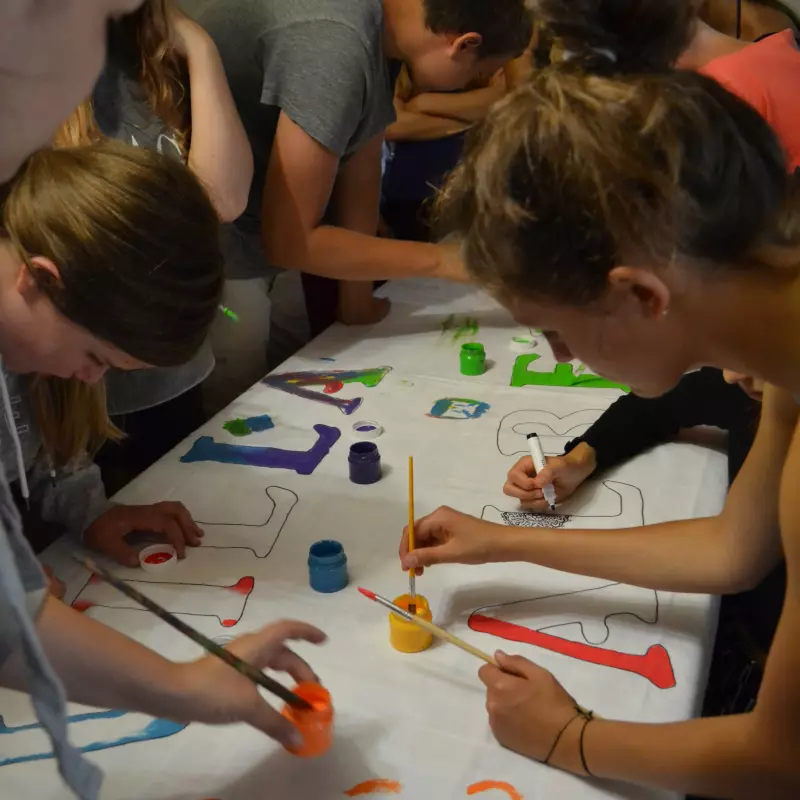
642, 35
573, 173
142, 42
505, 26
137, 269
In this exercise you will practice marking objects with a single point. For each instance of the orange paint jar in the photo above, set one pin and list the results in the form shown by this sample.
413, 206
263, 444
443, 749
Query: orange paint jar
316, 724
405, 636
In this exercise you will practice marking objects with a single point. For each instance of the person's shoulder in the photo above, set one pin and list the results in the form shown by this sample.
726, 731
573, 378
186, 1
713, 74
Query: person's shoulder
757, 60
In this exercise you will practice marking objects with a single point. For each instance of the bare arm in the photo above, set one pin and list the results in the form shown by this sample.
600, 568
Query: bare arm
355, 206
298, 188
469, 107
743, 756
100, 667
417, 127
219, 152
729, 553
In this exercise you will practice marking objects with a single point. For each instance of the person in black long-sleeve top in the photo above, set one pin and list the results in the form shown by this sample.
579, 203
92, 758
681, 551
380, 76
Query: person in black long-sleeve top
635, 424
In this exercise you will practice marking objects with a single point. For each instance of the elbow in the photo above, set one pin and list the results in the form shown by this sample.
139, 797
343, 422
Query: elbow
282, 249
743, 576
230, 205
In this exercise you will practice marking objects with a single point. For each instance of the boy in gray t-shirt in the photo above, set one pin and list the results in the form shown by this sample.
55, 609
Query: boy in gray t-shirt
312, 82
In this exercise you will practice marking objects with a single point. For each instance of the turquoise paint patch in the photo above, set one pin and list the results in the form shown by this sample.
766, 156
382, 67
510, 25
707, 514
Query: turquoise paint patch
458, 408
244, 427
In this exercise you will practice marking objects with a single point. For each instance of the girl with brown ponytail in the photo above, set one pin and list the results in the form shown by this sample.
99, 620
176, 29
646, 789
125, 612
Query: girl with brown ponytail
646, 223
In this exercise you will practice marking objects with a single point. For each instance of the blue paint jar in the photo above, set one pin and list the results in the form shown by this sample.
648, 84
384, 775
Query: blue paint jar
327, 567
365, 463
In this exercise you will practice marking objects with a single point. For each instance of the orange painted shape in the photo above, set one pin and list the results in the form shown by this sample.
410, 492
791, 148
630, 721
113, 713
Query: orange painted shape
487, 786
377, 786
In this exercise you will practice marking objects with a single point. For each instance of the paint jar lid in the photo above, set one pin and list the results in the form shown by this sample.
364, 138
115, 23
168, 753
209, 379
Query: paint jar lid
522, 344
367, 429
157, 558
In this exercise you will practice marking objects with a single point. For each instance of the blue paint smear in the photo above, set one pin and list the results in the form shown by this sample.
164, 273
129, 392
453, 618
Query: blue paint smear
155, 729
442, 406
303, 462
258, 424
327, 358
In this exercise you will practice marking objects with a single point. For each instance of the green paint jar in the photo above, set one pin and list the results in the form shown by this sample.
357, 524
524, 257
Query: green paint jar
473, 359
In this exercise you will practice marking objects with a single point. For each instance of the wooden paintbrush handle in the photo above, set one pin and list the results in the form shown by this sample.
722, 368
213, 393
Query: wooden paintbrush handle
441, 633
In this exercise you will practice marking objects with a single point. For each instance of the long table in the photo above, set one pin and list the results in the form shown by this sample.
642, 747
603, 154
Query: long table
417, 723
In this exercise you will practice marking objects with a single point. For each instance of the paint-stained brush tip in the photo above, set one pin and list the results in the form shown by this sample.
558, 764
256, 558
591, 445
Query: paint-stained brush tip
367, 593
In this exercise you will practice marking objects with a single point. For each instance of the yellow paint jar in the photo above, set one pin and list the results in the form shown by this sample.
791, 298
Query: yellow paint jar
405, 636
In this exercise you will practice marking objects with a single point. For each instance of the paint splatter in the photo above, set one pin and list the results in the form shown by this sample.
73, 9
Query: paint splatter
458, 408
460, 328
327, 358
377, 786
562, 376
303, 462
155, 729
244, 427
331, 383
488, 786
261, 423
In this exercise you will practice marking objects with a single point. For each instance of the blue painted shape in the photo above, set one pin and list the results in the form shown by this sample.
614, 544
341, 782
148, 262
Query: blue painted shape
155, 729
458, 408
303, 462
258, 424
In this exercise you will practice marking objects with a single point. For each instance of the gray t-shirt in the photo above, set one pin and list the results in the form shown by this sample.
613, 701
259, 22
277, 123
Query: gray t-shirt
122, 112
320, 61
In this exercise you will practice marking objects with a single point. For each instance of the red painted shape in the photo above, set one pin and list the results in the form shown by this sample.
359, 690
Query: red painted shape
655, 664
229, 623
95, 578
332, 387
244, 586
82, 605
158, 558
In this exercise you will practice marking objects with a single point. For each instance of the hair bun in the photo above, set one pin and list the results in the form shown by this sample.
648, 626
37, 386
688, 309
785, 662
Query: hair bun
592, 60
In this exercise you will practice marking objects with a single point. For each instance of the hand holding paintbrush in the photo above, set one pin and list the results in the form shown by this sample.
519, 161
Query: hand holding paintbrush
208, 690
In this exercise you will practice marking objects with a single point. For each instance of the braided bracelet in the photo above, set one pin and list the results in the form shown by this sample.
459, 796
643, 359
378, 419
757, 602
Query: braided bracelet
588, 717
579, 712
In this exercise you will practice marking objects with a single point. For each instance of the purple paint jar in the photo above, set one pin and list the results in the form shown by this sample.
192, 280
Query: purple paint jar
365, 463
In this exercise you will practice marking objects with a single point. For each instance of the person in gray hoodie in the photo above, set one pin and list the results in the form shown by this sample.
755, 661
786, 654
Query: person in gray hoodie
109, 256
65, 489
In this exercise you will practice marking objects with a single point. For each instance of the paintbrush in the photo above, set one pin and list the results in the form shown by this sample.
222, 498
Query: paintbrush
248, 670
435, 630
412, 575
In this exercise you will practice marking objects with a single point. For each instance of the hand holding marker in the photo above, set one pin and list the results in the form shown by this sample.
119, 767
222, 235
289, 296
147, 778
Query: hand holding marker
539, 462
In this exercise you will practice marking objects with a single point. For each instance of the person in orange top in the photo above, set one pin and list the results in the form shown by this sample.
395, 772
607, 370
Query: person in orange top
653, 35
765, 73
